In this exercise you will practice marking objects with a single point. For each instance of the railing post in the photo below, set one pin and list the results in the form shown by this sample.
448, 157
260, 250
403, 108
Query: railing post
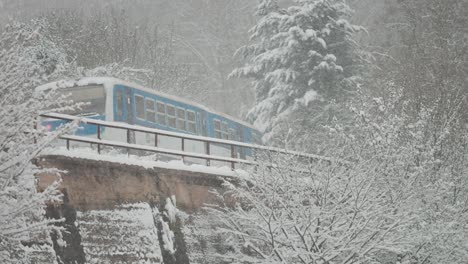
183, 149
233, 164
207, 151
68, 144
99, 137
128, 141
156, 144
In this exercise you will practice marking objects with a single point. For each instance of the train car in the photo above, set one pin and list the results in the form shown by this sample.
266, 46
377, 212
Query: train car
112, 99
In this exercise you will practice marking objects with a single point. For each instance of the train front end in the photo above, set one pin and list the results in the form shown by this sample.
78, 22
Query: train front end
87, 101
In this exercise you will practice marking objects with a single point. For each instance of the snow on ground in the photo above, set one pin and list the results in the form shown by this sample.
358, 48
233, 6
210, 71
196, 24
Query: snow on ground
144, 161
126, 234
40, 253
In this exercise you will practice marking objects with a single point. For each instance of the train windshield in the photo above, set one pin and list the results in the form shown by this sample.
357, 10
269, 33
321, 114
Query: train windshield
92, 97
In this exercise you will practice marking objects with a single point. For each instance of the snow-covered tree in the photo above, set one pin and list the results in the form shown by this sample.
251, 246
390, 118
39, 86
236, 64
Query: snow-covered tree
400, 198
425, 65
299, 56
111, 43
26, 60
334, 213
435, 167
427, 58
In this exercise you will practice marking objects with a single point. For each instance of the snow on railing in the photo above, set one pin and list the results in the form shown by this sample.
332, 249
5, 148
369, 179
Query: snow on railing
207, 156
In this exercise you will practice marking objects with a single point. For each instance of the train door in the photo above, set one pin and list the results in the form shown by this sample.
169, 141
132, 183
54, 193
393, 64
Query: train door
128, 101
119, 106
131, 138
122, 104
123, 112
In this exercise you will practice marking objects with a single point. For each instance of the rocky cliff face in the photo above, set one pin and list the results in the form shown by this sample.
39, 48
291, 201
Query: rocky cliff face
119, 213
126, 234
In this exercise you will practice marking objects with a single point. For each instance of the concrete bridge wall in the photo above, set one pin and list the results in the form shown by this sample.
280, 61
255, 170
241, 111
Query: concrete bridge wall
92, 184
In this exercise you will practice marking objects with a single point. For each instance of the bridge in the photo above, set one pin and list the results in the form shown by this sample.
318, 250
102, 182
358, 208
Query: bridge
95, 180
89, 172
182, 153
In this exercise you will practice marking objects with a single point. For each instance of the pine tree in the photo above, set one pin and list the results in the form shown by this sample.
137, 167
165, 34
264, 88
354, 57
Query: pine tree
298, 55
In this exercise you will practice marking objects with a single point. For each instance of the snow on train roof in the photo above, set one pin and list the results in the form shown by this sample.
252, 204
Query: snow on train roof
109, 82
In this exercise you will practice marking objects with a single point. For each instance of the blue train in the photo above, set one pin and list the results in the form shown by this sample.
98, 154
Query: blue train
116, 100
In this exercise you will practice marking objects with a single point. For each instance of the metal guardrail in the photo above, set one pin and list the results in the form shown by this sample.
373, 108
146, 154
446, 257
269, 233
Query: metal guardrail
159, 132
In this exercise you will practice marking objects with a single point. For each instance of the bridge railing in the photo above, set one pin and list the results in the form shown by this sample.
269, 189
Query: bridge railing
207, 156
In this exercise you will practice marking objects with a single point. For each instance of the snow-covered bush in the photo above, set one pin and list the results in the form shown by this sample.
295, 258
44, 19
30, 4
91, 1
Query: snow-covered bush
26, 60
331, 214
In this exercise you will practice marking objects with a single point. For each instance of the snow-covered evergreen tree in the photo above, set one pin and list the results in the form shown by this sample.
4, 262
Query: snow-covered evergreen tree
26, 60
298, 55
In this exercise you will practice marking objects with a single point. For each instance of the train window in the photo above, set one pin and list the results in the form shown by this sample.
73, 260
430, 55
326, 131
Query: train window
161, 108
140, 106
190, 116
171, 117
150, 111
241, 134
232, 134
225, 132
217, 124
217, 128
119, 103
191, 124
93, 99
180, 118
220, 129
